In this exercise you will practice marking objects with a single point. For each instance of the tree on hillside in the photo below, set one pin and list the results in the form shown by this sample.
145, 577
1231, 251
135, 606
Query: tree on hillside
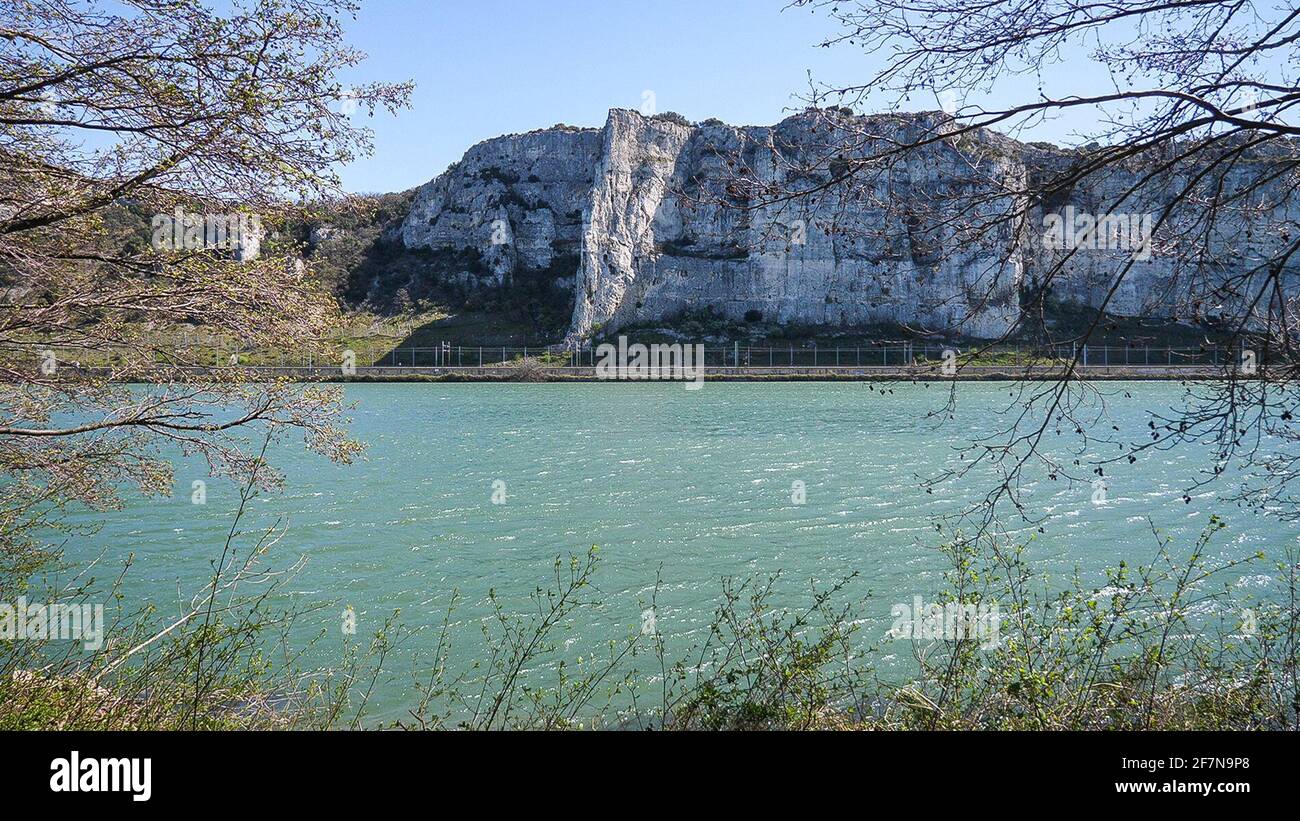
1194, 110
147, 150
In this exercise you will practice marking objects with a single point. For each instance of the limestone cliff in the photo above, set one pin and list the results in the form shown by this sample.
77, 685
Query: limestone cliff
511, 203
647, 218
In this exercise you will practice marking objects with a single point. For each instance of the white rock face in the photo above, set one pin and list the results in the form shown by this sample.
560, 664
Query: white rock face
647, 218
512, 202
1192, 250
659, 241
631, 208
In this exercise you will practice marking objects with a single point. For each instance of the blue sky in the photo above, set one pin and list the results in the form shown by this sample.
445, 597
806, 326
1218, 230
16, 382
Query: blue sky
483, 69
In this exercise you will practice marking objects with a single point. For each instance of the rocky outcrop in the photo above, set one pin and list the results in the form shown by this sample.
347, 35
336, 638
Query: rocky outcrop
666, 234
512, 203
1191, 249
647, 218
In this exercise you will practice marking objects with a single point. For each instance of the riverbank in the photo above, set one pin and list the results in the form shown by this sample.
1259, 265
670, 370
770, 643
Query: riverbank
536, 373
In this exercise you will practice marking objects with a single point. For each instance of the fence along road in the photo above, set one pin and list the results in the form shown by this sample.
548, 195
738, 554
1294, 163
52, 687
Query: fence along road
903, 361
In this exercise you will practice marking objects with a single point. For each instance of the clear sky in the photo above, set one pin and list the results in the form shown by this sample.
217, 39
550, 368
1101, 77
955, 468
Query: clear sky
488, 68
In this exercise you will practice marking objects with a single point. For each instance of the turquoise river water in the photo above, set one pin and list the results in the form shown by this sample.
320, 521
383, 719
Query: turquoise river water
690, 486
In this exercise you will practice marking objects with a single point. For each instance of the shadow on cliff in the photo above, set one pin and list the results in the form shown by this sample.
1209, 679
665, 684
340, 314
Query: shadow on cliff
532, 310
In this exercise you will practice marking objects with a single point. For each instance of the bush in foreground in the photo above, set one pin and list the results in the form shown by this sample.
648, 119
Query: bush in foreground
1141, 652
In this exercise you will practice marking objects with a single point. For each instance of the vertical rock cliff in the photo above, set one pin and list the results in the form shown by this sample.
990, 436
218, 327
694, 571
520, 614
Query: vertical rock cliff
647, 218
672, 227
511, 204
